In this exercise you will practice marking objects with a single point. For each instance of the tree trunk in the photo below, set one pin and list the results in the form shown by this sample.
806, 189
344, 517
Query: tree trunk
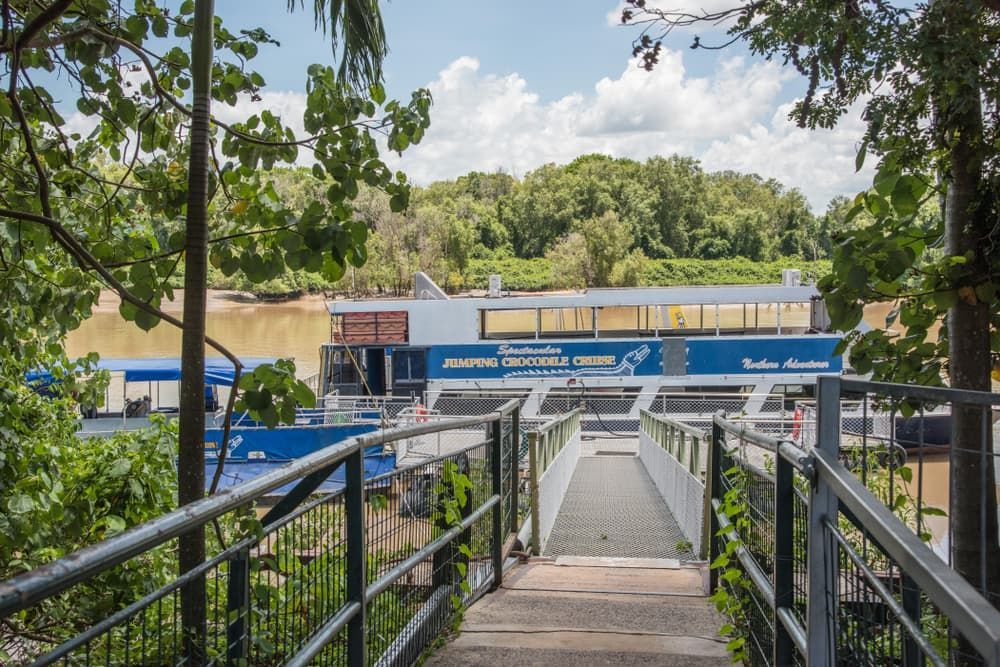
973, 511
191, 463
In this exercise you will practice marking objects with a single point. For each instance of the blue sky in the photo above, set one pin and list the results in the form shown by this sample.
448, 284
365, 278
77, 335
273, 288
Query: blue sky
517, 84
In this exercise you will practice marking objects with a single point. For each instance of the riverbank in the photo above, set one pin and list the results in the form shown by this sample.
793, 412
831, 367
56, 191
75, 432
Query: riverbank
525, 275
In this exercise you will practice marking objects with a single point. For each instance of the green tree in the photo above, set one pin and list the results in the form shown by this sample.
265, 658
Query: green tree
588, 256
923, 74
71, 227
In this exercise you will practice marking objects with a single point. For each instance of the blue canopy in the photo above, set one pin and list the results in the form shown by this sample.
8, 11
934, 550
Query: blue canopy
218, 370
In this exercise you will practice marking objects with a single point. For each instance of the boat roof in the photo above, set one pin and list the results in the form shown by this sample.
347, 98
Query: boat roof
629, 296
218, 370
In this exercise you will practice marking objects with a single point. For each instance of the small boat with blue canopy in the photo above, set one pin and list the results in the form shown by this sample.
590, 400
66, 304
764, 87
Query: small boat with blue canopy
252, 448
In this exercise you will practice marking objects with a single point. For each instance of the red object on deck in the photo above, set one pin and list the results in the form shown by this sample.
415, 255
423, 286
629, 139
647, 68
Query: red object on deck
389, 327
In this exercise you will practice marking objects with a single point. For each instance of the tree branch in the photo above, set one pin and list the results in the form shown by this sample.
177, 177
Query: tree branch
47, 15
76, 250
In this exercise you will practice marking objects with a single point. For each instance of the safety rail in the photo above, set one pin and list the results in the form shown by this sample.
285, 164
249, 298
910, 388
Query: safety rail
368, 573
556, 440
687, 444
674, 455
827, 565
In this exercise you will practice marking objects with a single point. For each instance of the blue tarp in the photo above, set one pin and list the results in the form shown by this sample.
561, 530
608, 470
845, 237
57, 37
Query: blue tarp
236, 472
282, 444
218, 370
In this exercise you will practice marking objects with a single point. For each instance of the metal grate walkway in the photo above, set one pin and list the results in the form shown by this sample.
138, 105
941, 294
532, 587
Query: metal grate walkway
612, 508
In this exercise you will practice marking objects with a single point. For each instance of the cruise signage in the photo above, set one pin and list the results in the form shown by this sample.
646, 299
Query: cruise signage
541, 359
752, 356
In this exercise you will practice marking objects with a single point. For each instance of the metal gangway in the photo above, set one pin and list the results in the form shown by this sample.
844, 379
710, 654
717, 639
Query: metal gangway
564, 538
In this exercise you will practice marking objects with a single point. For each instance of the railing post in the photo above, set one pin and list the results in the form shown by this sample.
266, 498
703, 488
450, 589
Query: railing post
496, 548
238, 609
536, 531
784, 558
695, 456
821, 553
713, 484
357, 578
912, 655
515, 468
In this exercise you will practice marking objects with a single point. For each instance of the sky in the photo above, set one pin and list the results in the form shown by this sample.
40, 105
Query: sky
520, 83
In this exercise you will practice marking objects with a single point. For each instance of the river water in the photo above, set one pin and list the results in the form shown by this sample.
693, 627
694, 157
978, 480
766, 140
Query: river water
294, 328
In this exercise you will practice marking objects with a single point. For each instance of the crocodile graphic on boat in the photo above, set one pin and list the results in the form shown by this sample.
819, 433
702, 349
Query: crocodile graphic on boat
630, 361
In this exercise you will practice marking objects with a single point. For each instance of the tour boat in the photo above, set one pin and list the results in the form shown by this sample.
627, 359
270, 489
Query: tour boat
637, 346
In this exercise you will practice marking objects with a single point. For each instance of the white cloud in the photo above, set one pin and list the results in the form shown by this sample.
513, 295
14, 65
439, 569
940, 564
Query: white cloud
818, 162
732, 119
482, 121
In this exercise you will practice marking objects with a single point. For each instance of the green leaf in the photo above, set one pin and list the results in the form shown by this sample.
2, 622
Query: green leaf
927, 510
114, 523
859, 159
857, 277
120, 468
303, 395
20, 504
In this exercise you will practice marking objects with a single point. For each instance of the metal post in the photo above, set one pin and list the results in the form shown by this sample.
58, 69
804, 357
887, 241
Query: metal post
713, 485
515, 450
912, 655
695, 456
784, 558
356, 573
496, 445
821, 554
238, 594
536, 531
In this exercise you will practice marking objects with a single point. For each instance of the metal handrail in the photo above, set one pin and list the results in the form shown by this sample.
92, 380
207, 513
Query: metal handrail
53, 578
977, 619
783, 447
837, 493
920, 392
690, 430
541, 453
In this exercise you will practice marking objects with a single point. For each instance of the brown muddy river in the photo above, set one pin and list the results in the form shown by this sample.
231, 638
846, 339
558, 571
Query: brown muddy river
293, 329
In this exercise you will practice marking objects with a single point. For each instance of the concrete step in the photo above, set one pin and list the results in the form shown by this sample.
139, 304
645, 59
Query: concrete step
591, 614
575, 650
551, 576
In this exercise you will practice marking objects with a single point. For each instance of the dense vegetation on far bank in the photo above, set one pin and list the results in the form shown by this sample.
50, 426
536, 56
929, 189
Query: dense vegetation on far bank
535, 275
597, 221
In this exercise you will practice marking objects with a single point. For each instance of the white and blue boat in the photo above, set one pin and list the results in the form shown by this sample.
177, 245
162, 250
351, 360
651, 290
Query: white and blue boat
766, 344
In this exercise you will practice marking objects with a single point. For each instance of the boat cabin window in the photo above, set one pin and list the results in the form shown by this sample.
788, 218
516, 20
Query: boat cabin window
795, 316
645, 320
566, 322
409, 366
514, 323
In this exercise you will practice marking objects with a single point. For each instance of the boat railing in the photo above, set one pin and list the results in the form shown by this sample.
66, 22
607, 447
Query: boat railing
604, 410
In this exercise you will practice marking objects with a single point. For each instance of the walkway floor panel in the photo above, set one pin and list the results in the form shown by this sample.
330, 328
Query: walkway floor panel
528, 623
612, 508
